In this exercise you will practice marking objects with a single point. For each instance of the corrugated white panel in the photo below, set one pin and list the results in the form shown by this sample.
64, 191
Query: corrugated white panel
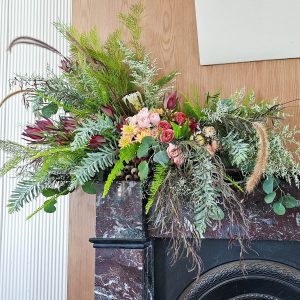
33, 254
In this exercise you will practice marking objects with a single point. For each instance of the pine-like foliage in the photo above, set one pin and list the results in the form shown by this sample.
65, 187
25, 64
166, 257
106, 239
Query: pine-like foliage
143, 74
157, 181
25, 191
94, 163
126, 155
237, 148
102, 126
15, 148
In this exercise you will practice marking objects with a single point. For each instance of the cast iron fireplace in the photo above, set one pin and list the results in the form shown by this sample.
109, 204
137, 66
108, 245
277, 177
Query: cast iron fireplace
133, 263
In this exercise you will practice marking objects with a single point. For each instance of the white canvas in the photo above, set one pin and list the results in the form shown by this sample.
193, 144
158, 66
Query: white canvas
232, 31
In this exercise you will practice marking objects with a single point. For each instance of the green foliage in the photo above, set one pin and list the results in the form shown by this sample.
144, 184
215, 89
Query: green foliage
237, 149
143, 74
161, 157
126, 155
102, 126
132, 22
15, 148
158, 179
143, 168
94, 163
26, 191
11, 164
147, 143
90, 187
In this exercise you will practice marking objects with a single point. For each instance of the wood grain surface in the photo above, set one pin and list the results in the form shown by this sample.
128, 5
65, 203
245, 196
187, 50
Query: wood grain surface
170, 35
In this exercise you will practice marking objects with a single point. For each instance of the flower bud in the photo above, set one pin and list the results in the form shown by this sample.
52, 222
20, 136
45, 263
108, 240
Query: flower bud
108, 110
170, 100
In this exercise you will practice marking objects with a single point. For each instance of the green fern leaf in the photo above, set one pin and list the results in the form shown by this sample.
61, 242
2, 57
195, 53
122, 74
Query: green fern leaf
158, 179
25, 191
94, 163
126, 155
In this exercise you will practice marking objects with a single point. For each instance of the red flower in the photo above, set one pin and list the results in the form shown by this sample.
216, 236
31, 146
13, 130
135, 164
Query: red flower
108, 110
163, 125
167, 136
170, 100
180, 118
69, 125
45, 124
96, 141
193, 125
33, 133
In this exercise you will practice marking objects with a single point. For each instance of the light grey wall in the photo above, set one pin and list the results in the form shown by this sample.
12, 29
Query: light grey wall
33, 254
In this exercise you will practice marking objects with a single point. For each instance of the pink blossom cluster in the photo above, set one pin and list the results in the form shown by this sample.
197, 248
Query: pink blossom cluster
144, 119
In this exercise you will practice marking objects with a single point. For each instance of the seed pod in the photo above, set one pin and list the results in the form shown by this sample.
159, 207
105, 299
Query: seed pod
127, 169
128, 177
134, 171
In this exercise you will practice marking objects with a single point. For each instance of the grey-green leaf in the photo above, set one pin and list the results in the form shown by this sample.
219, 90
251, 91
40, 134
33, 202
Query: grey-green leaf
279, 208
270, 197
143, 150
143, 170
268, 185
90, 187
49, 110
288, 201
161, 158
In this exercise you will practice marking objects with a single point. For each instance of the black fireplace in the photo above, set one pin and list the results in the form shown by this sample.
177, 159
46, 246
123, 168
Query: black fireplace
133, 263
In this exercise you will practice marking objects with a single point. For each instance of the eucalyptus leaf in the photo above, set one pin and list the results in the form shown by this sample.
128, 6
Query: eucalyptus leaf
161, 158
90, 187
49, 192
268, 185
49, 110
143, 170
288, 201
49, 207
143, 150
279, 208
270, 197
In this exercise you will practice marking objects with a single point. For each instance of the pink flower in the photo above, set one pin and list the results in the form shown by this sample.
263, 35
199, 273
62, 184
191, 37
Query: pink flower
154, 118
175, 154
132, 120
96, 141
167, 136
170, 100
143, 118
108, 110
163, 125
180, 118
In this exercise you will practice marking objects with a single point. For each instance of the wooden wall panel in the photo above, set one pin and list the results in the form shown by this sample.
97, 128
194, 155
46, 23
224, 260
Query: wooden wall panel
170, 35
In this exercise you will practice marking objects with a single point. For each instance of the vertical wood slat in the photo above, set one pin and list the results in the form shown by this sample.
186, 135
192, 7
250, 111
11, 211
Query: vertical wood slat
33, 254
170, 34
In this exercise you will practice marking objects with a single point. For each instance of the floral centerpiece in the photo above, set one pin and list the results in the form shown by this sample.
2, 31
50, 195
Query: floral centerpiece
109, 116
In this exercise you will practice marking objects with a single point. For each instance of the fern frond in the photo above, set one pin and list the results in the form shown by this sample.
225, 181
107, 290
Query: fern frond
94, 163
102, 126
15, 148
25, 191
236, 147
11, 164
126, 155
157, 181
132, 23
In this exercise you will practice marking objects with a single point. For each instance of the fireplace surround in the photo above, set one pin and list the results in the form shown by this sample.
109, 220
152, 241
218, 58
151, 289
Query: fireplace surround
133, 263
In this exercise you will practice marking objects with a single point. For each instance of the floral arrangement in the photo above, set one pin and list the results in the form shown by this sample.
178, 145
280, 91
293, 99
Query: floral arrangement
109, 116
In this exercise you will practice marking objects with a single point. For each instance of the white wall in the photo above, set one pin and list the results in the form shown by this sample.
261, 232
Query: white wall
33, 254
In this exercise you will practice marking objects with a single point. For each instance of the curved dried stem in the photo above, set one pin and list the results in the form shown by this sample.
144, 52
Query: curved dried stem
14, 94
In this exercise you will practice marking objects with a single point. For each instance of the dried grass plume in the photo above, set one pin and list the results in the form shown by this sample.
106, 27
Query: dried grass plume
262, 157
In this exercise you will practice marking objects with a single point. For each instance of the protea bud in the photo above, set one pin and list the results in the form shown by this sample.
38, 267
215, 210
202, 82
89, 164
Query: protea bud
34, 133
69, 125
96, 141
65, 65
170, 100
108, 110
45, 125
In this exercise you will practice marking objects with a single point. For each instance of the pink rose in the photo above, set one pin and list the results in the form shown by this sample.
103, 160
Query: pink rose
143, 118
154, 118
143, 113
175, 154
180, 118
167, 136
178, 160
163, 125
